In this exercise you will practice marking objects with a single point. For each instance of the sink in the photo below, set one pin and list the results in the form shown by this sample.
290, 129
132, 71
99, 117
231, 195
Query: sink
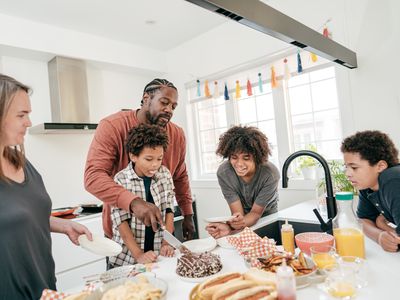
273, 230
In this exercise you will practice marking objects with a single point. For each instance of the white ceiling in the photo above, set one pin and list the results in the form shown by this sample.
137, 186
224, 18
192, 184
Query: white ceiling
124, 20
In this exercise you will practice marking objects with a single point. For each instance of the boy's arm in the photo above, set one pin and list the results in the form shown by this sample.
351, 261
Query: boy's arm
129, 239
169, 222
387, 240
382, 224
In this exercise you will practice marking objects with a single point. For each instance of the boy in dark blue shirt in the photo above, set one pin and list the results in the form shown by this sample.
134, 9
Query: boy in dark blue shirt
372, 166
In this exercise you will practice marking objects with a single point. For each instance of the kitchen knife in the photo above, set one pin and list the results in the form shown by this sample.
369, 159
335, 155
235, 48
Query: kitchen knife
174, 242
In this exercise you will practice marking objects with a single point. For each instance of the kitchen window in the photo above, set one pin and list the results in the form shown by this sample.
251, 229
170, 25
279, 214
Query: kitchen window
301, 113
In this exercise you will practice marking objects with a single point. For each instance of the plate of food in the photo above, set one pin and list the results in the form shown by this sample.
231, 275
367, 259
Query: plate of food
219, 219
193, 267
123, 272
99, 245
237, 285
145, 286
304, 269
201, 245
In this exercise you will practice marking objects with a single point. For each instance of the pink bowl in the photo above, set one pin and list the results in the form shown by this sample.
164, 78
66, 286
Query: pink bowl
306, 240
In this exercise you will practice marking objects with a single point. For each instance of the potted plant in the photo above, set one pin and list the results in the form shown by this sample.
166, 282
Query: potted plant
308, 165
339, 179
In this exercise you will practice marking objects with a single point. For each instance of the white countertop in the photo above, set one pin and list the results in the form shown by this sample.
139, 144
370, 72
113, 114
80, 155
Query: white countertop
382, 267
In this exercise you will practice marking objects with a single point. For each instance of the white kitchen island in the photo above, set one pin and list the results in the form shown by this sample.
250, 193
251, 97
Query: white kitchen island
381, 267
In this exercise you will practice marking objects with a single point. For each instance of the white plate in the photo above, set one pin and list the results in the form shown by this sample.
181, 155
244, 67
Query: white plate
198, 279
223, 243
156, 282
218, 219
100, 245
201, 245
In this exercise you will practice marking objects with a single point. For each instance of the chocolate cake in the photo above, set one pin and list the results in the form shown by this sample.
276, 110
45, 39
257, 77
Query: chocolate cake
194, 265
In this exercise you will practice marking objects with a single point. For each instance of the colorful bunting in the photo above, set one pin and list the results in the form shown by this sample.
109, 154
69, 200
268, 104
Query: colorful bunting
299, 65
326, 33
238, 94
287, 71
198, 88
249, 88
314, 57
274, 82
226, 93
260, 83
206, 90
216, 90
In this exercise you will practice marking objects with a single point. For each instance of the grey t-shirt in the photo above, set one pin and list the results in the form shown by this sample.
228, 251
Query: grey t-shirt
262, 190
25, 242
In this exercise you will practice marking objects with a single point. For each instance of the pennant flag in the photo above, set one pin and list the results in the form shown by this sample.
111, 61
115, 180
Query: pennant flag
287, 71
299, 66
206, 90
260, 83
226, 94
314, 57
216, 90
249, 88
325, 32
238, 94
198, 88
274, 82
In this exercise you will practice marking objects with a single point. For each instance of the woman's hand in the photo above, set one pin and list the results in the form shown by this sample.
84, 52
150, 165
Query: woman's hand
72, 229
167, 250
218, 230
238, 222
147, 257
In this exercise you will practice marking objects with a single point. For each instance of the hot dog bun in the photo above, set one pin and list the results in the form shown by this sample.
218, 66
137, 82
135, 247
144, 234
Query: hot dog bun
255, 293
231, 288
208, 287
261, 277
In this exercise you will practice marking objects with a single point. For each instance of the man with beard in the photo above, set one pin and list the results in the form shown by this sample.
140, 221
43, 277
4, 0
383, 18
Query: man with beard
107, 156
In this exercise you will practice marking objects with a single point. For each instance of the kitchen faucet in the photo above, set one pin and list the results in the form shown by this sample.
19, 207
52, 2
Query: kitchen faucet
330, 198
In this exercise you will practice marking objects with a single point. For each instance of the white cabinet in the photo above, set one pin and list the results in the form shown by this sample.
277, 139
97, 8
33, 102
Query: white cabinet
73, 262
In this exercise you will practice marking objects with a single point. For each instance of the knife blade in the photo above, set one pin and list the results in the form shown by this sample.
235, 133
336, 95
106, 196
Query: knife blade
174, 242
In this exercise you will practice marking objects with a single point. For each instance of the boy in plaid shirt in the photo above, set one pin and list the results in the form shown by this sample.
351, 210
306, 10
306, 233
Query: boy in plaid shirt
146, 177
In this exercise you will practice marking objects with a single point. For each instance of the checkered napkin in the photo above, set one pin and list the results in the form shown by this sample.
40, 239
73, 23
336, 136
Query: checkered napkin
251, 246
54, 295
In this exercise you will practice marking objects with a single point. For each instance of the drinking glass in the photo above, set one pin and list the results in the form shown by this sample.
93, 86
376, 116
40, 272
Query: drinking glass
323, 256
340, 282
359, 267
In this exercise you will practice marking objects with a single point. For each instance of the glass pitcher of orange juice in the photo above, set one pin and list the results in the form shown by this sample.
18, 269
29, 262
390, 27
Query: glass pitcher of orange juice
349, 238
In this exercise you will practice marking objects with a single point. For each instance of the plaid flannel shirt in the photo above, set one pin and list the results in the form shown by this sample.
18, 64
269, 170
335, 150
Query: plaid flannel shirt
162, 190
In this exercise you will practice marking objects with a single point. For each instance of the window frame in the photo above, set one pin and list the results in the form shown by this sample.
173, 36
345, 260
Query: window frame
282, 115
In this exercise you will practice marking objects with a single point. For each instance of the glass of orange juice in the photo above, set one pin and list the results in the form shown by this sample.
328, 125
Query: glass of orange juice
323, 256
340, 282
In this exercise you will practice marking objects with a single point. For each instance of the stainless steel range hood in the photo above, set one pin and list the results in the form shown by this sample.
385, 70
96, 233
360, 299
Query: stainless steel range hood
68, 97
262, 17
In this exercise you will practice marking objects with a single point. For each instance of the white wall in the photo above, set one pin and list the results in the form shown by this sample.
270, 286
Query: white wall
60, 158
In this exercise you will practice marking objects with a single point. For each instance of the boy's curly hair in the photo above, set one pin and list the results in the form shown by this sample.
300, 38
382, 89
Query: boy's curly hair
244, 139
145, 135
373, 146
